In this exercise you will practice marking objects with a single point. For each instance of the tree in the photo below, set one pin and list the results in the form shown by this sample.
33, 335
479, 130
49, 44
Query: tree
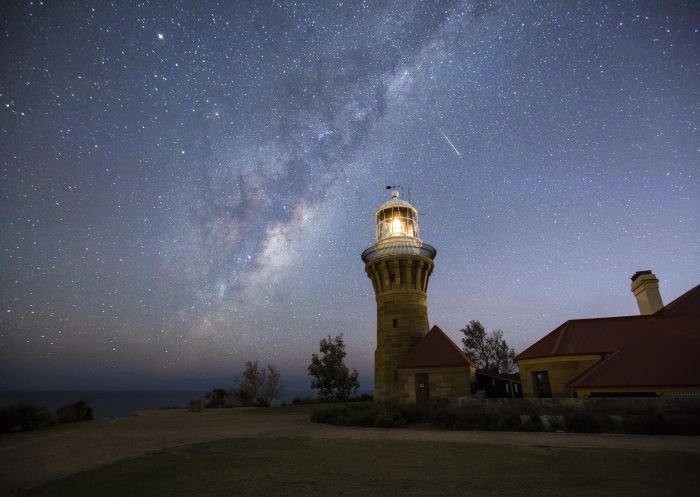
24, 416
251, 383
259, 386
487, 350
329, 374
272, 387
77, 411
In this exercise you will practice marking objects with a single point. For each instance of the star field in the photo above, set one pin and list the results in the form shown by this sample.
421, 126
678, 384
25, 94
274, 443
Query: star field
186, 186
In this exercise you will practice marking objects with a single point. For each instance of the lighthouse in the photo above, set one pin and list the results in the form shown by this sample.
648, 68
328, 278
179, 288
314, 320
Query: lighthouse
399, 264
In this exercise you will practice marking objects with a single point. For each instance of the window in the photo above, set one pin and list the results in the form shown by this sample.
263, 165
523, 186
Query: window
394, 323
392, 278
541, 381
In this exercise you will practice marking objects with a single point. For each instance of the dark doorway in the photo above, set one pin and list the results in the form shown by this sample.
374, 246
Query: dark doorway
422, 388
541, 381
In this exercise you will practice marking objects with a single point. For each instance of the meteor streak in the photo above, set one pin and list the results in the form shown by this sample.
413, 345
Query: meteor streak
451, 144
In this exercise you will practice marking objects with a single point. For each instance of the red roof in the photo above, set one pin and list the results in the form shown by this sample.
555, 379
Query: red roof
436, 350
661, 349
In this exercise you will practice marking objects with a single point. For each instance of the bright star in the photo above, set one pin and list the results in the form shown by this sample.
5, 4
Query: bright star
160, 36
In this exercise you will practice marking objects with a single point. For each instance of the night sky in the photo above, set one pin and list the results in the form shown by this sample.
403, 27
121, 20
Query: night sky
189, 185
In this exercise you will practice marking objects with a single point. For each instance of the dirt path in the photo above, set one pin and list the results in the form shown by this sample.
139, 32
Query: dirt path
32, 458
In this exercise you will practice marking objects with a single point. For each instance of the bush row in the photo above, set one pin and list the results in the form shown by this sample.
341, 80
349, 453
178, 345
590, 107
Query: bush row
574, 417
27, 416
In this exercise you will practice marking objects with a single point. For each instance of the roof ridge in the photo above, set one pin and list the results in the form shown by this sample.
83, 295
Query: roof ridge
610, 318
593, 367
567, 354
426, 353
555, 330
671, 306
454, 345
560, 337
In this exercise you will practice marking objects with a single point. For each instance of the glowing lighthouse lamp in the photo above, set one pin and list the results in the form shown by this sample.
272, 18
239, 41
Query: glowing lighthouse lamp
396, 218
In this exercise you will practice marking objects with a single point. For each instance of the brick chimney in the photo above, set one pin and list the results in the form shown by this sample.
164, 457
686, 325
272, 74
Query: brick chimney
645, 288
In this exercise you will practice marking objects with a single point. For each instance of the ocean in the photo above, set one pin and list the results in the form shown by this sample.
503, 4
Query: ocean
105, 403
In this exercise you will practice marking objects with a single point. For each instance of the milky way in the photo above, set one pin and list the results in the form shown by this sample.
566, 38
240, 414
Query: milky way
189, 185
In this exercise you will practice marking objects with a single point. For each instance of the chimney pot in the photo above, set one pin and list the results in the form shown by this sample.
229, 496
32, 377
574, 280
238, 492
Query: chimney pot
640, 273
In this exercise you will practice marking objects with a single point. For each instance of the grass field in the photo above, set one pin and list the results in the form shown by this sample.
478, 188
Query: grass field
366, 468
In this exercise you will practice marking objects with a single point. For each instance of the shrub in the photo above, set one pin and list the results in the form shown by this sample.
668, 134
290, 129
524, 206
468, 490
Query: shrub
383, 420
328, 416
386, 419
71, 413
417, 413
650, 424
688, 424
530, 423
363, 416
219, 397
363, 397
505, 422
195, 405
24, 416
581, 423
379, 416
305, 400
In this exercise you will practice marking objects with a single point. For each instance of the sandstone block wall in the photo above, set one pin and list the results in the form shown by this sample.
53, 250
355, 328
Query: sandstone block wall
400, 284
561, 369
444, 383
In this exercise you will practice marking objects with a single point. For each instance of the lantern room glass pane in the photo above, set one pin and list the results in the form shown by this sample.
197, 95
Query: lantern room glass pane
396, 221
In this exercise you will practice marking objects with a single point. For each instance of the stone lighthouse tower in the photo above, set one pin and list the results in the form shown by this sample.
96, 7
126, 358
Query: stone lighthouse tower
399, 265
